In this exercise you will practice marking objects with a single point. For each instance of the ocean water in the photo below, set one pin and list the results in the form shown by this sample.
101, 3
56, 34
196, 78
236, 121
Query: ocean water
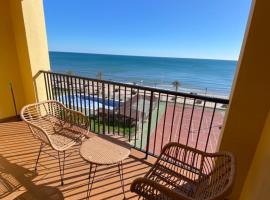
213, 77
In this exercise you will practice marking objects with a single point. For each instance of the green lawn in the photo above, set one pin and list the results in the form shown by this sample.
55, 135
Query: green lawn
141, 136
121, 128
141, 141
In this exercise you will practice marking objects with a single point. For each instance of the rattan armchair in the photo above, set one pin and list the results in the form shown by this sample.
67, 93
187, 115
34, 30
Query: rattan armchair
57, 126
184, 173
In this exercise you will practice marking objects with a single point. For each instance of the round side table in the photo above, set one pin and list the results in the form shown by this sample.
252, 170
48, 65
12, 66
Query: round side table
104, 150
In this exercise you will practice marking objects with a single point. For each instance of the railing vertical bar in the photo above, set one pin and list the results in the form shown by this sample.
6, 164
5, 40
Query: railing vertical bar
76, 93
65, 91
144, 93
181, 121
174, 106
52, 85
80, 93
89, 105
49, 85
164, 122
149, 124
108, 107
103, 108
72, 91
58, 88
136, 125
210, 127
130, 112
190, 121
54, 89
125, 105
61, 89
154, 149
45, 80
119, 104
84, 96
94, 100
113, 108
62, 98
199, 130
98, 107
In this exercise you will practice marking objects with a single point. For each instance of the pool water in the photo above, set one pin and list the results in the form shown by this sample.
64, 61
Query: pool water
93, 102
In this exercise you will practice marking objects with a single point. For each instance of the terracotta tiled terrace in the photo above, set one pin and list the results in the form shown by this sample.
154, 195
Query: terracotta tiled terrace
18, 152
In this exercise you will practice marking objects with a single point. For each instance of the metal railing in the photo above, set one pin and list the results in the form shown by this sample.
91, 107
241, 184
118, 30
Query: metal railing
148, 117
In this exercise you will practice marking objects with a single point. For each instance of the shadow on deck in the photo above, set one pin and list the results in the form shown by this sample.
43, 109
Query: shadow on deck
18, 152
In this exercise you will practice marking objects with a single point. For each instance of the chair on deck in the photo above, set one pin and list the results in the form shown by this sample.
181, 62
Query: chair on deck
184, 173
57, 126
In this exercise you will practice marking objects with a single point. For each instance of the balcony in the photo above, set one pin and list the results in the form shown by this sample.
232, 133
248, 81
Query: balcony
148, 118
18, 155
246, 131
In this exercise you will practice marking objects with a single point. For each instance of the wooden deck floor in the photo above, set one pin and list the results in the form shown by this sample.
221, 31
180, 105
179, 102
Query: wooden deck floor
18, 152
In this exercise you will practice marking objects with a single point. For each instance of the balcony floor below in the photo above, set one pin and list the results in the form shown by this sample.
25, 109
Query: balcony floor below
18, 153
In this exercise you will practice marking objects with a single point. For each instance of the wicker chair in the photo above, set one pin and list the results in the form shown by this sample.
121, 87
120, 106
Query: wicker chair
57, 126
185, 173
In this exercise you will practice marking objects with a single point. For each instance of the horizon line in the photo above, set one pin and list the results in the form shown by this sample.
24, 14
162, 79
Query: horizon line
143, 56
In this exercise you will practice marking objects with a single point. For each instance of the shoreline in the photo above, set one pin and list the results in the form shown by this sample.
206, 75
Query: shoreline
185, 90
122, 93
202, 76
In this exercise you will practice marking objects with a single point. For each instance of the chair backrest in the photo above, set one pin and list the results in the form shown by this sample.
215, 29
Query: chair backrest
218, 172
182, 159
212, 174
41, 118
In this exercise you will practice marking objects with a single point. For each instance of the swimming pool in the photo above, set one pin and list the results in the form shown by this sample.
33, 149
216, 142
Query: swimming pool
93, 102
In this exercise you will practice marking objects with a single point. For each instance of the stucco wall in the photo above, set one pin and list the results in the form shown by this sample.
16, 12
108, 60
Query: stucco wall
9, 71
257, 183
250, 100
23, 52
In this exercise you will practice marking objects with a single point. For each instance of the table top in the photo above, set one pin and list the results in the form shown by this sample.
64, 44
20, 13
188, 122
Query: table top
104, 150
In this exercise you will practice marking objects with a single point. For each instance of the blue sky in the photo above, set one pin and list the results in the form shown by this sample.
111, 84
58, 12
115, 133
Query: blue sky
170, 28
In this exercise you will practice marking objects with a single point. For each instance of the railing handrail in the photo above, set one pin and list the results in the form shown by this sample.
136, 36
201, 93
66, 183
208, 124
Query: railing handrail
151, 89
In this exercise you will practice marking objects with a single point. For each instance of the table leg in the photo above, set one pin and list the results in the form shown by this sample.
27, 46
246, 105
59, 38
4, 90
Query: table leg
90, 182
120, 170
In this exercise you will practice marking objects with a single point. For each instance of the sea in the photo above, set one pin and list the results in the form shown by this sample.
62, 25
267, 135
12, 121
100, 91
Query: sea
202, 76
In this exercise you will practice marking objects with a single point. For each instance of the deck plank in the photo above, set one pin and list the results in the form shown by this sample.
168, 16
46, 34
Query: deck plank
18, 152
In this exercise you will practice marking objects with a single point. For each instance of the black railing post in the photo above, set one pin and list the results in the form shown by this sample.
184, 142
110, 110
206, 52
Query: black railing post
149, 125
45, 80
103, 107
68, 89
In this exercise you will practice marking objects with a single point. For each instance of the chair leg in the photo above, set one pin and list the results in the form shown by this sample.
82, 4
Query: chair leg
91, 178
120, 171
40, 149
61, 167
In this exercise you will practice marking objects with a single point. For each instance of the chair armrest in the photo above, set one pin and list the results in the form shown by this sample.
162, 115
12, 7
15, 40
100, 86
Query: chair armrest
151, 190
39, 132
